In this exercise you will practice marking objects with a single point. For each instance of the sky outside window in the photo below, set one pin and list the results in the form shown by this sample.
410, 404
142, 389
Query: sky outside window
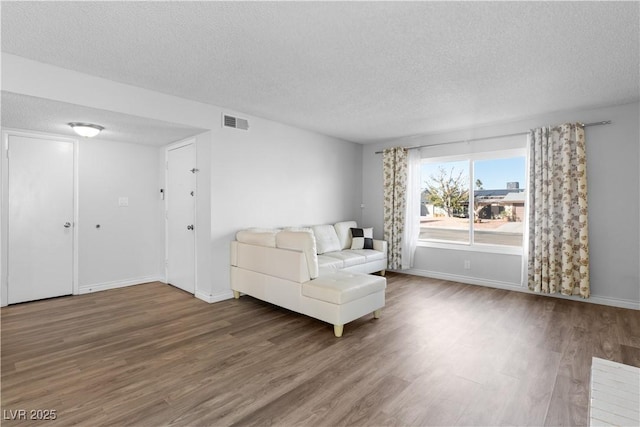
494, 173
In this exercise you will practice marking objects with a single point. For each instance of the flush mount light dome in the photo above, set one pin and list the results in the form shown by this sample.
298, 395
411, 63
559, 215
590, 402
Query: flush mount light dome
87, 130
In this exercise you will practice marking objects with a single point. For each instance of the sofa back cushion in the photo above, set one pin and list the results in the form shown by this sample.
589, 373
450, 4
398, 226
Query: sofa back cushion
307, 229
326, 238
258, 237
300, 241
278, 263
343, 230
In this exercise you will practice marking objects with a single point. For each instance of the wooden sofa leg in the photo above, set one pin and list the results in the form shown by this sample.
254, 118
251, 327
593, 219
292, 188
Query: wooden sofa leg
383, 272
376, 314
337, 330
236, 294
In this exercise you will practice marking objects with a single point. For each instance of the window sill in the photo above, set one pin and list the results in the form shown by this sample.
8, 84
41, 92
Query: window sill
494, 249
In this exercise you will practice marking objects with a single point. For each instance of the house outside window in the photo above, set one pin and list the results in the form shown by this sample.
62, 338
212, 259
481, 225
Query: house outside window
476, 200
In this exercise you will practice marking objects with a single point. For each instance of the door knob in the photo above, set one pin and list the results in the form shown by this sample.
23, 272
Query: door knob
67, 224
189, 227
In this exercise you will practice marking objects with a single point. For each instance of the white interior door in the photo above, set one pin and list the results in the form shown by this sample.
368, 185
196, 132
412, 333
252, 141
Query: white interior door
181, 187
40, 218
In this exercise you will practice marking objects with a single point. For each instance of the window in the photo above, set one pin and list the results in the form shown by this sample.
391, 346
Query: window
474, 200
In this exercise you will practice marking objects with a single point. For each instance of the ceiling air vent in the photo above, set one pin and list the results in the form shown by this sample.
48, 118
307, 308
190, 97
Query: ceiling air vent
234, 122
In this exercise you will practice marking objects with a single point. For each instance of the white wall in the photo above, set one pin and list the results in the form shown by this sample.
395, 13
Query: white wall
275, 175
271, 175
613, 165
127, 248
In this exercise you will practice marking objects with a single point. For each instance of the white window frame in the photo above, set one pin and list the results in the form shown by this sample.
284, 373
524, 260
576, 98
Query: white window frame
470, 245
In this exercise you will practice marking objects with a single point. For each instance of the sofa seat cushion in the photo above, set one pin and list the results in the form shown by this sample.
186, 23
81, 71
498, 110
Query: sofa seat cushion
342, 287
349, 258
369, 254
330, 262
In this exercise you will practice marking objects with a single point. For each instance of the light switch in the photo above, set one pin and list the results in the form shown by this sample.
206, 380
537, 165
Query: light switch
123, 201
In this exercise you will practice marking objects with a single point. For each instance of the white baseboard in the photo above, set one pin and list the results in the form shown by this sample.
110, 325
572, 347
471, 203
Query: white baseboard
86, 289
220, 296
614, 302
593, 299
464, 279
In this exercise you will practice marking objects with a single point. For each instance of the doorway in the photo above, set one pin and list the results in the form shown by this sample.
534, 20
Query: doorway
180, 202
40, 227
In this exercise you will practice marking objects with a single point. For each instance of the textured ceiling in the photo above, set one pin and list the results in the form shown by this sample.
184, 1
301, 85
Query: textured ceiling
44, 115
362, 71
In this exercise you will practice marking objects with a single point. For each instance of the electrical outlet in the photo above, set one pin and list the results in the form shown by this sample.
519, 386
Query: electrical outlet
467, 264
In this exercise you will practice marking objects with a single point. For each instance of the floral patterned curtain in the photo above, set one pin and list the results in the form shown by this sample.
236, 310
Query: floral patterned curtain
394, 163
558, 231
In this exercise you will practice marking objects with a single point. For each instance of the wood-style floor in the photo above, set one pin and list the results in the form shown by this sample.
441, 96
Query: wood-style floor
442, 353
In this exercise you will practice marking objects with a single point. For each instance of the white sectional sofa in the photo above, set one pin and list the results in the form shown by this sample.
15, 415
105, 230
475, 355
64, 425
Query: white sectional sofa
312, 271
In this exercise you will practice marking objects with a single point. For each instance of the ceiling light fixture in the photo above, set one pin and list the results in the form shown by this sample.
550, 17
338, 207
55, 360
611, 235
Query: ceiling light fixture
87, 130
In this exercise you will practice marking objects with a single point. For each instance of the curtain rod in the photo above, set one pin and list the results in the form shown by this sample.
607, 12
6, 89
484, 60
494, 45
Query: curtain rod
605, 122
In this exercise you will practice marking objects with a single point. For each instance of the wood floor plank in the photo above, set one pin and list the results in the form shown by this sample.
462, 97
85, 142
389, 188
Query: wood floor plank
443, 353
569, 403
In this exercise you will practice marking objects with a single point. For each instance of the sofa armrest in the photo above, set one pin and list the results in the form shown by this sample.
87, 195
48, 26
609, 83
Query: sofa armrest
380, 245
